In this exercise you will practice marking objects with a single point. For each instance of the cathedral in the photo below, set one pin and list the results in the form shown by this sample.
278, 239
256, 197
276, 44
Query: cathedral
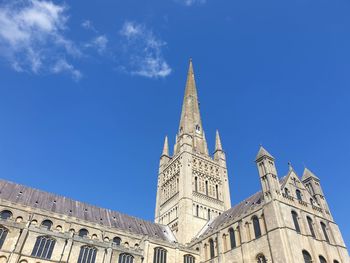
287, 221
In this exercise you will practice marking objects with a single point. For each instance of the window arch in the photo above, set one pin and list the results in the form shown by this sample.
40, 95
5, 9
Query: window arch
208, 214
296, 222
83, 232
232, 238
335, 261
43, 247
125, 258
322, 259
206, 188
6, 214
196, 184
117, 241
298, 193
256, 224
47, 223
211, 248
3, 235
159, 255
286, 191
324, 230
189, 259
197, 210
261, 259
307, 257
217, 191
311, 227
87, 254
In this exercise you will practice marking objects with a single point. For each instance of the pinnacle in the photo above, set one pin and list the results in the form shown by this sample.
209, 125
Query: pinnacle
263, 153
218, 145
166, 147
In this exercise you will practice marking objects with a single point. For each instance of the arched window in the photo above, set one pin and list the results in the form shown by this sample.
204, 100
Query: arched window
159, 255
83, 232
87, 254
6, 214
311, 201
311, 227
217, 191
335, 261
307, 257
261, 259
43, 247
298, 193
232, 238
256, 225
322, 259
197, 210
296, 222
189, 259
125, 258
324, 229
196, 184
3, 234
286, 191
47, 223
208, 214
117, 241
206, 187
211, 248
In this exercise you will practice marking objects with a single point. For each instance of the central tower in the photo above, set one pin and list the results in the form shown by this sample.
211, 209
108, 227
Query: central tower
192, 185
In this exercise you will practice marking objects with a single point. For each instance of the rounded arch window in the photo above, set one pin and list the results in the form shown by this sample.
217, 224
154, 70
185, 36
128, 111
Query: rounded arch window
83, 232
307, 257
261, 258
6, 214
322, 259
117, 241
125, 258
298, 193
256, 225
189, 259
47, 223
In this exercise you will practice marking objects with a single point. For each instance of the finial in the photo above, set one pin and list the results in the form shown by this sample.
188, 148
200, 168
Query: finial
166, 147
218, 145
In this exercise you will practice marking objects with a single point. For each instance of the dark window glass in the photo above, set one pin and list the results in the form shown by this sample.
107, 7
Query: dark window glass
211, 247
286, 191
6, 214
322, 259
298, 193
83, 232
125, 258
206, 187
159, 255
232, 238
87, 254
296, 222
196, 184
307, 257
217, 191
208, 214
43, 247
197, 210
256, 225
189, 259
3, 234
117, 241
261, 259
310, 223
324, 229
47, 223
335, 261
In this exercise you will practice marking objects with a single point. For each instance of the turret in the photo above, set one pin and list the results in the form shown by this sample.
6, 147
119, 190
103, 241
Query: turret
165, 157
268, 174
219, 154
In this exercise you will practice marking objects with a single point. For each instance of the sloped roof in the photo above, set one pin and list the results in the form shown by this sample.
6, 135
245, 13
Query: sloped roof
263, 152
31, 197
307, 174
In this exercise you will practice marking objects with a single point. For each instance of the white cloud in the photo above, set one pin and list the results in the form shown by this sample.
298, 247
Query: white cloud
99, 43
191, 2
62, 66
32, 36
143, 51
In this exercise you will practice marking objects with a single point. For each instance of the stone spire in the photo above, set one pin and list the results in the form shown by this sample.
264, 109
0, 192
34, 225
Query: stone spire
190, 129
218, 145
166, 147
263, 153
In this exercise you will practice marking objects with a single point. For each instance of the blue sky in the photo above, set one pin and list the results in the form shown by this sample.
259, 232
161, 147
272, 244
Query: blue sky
89, 89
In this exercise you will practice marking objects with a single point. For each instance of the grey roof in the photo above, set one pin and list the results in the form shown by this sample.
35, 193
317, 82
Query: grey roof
235, 212
263, 152
307, 174
27, 196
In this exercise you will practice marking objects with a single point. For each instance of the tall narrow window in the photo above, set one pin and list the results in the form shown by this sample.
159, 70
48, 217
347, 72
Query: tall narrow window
189, 259
212, 249
43, 247
47, 223
206, 188
117, 241
217, 191
286, 191
196, 184
322, 259
232, 238
6, 214
261, 259
159, 255
87, 254
3, 234
256, 225
197, 210
125, 258
296, 222
311, 227
83, 232
208, 214
324, 230
298, 193
307, 257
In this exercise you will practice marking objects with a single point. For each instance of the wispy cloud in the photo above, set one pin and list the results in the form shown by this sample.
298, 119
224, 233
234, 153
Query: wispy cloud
191, 2
32, 37
143, 51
